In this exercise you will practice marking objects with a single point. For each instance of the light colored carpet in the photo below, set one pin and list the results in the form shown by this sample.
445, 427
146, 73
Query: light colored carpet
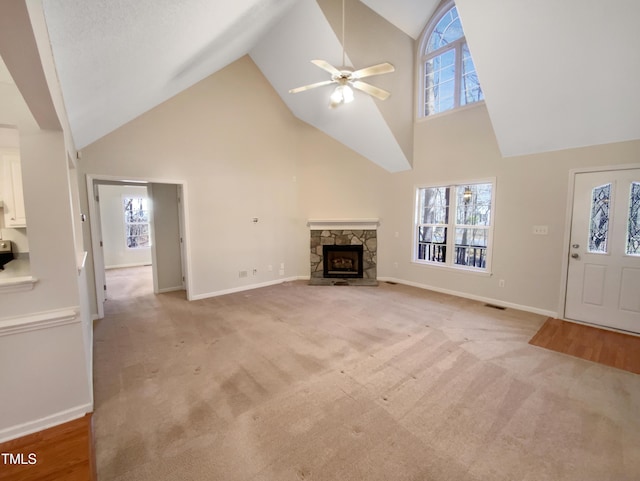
297, 382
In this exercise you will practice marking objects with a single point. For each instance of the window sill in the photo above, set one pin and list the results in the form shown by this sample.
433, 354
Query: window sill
459, 269
440, 115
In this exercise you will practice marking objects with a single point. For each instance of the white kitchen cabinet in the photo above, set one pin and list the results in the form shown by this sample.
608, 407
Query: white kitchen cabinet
13, 198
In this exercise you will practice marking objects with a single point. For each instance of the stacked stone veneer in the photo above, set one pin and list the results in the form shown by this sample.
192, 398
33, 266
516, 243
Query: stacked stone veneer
367, 238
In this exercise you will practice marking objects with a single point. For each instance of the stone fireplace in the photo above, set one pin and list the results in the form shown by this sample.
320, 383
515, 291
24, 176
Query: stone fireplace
343, 252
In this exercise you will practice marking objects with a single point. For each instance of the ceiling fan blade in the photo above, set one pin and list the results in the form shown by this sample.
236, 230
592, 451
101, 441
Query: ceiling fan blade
310, 86
373, 70
371, 90
326, 66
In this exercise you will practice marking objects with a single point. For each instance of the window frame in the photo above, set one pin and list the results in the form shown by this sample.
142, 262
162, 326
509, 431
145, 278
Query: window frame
451, 226
147, 199
422, 57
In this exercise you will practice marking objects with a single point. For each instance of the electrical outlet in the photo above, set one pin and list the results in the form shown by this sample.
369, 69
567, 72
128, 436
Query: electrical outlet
501, 283
255, 272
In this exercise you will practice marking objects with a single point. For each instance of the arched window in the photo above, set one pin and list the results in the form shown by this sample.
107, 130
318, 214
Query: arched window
448, 77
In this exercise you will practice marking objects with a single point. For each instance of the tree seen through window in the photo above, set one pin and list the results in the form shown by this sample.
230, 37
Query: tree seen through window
449, 77
136, 220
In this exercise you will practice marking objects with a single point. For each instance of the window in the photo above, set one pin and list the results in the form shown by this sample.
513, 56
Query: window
633, 225
454, 225
136, 222
448, 77
599, 219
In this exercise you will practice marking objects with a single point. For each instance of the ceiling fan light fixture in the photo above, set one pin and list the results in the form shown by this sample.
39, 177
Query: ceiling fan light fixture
343, 94
347, 78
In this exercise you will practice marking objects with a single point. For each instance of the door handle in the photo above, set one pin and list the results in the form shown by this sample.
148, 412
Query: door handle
575, 256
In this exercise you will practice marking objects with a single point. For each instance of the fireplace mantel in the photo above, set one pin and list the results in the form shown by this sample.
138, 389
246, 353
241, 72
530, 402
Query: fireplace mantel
343, 224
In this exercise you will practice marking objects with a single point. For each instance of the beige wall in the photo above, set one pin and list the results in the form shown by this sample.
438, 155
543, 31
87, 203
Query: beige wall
531, 190
243, 156
48, 209
233, 144
44, 337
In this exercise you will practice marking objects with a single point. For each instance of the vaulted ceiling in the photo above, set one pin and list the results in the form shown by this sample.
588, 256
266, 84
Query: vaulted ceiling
555, 75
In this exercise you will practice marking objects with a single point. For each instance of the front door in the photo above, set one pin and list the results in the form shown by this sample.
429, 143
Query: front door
603, 282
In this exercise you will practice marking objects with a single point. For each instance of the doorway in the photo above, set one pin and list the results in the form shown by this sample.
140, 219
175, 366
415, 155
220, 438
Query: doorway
125, 225
603, 273
135, 224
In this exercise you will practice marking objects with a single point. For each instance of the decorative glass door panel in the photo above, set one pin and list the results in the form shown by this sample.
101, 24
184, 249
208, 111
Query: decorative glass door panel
599, 219
633, 227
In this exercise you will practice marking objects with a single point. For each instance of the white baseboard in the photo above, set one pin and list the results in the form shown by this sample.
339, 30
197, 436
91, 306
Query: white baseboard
170, 289
31, 427
242, 288
122, 266
465, 295
488, 300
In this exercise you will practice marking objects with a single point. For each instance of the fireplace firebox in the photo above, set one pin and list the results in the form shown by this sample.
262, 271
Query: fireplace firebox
342, 261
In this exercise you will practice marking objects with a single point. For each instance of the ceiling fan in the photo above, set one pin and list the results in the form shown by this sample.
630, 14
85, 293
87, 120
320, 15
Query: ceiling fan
346, 78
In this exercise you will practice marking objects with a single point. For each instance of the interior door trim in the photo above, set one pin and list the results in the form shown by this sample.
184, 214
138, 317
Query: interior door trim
92, 179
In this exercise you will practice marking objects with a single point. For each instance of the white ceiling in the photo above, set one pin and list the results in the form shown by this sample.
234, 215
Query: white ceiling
117, 60
302, 35
410, 16
5, 76
555, 74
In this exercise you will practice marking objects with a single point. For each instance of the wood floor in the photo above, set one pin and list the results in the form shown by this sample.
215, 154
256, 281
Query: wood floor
61, 453
610, 348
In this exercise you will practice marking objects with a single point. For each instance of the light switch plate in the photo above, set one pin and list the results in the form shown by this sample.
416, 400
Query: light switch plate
541, 229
